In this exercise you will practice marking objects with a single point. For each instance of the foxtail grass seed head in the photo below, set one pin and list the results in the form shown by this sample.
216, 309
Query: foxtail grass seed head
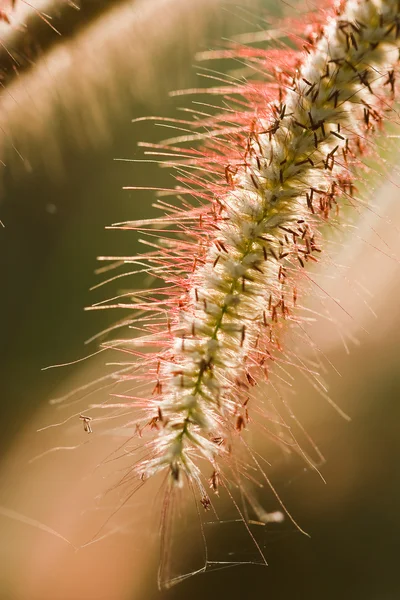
266, 183
231, 282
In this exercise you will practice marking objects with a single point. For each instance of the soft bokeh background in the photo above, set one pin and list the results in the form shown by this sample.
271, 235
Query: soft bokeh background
65, 119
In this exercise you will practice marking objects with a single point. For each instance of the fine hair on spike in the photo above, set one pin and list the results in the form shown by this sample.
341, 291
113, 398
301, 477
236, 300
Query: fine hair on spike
272, 175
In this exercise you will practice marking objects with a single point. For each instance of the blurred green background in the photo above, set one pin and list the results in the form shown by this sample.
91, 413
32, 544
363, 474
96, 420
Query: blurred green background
70, 120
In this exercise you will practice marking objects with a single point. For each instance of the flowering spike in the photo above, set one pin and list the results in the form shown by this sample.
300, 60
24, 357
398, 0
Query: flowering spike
267, 181
258, 230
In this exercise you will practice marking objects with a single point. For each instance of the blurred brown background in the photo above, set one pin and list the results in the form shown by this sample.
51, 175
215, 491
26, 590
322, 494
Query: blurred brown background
65, 118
